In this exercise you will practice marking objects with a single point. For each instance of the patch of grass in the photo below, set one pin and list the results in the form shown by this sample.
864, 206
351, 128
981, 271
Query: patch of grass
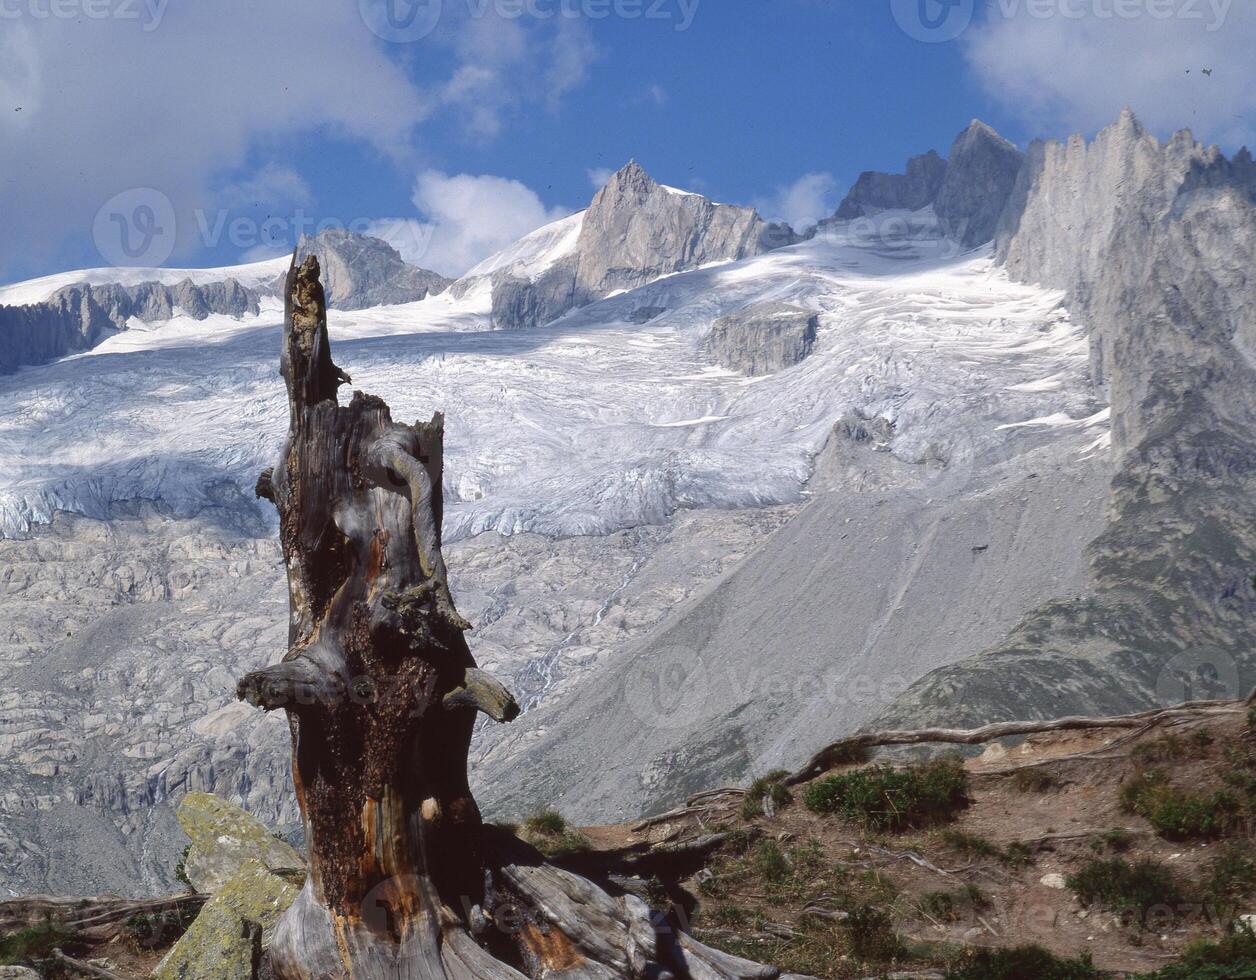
32, 943
1116, 840
1233, 957
1023, 963
885, 798
1180, 814
549, 822
1117, 885
728, 916
767, 787
1015, 855
1034, 780
549, 832
1171, 748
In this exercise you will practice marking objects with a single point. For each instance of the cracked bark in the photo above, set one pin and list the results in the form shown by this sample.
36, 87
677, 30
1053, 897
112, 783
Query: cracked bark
381, 694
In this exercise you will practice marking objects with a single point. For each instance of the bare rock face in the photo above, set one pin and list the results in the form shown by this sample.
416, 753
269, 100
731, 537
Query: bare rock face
763, 338
360, 271
1155, 244
79, 317
875, 191
633, 232
980, 175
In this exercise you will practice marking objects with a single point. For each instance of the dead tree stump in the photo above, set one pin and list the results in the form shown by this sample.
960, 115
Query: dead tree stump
381, 694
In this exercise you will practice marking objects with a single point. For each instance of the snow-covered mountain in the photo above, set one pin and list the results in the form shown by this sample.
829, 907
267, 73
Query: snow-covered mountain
723, 499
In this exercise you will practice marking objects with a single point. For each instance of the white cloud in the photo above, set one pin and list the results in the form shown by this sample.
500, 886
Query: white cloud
804, 202
1062, 74
656, 94
464, 218
109, 105
598, 176
505, 66
273, 183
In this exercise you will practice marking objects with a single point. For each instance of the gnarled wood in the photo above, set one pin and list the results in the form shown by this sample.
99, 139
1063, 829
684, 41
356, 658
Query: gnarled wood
381, 694
837, 752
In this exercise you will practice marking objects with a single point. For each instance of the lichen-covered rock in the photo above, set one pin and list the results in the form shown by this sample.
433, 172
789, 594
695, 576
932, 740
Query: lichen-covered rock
225, 839
227, 938
763, 338
17, 973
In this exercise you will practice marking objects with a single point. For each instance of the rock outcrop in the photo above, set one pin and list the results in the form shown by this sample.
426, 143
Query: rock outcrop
77, 318
635, 231
980, 175
224, 839
232, 930
763, 338
910, 191
1155, 245
360, 271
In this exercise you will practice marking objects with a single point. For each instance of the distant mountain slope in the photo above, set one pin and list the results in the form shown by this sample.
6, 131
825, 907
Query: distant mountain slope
1156, 245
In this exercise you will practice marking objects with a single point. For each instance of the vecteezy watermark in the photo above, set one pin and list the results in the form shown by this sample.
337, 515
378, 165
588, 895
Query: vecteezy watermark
1198, 675
406, 21
410, 238
136, 228
933, 21
936, 21
147, 13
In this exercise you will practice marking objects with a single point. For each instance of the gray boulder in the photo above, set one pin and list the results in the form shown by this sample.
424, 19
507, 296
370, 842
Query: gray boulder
876, 191
763, 338
980, 175
360, 271
226, 839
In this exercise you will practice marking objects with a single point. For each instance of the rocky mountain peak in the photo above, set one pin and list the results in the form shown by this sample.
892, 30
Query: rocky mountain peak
361, 271
911, 190
980, 176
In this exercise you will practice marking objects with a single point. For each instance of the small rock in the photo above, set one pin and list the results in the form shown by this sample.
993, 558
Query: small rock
1053, 880
17, 973
1249, 920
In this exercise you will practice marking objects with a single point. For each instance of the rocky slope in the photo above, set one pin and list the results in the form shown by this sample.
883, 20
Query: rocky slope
634, 231
360, 271
78, 317
968, 191
1155, 243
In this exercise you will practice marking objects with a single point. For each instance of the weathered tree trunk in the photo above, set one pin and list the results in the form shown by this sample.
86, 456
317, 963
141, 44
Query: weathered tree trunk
381, 694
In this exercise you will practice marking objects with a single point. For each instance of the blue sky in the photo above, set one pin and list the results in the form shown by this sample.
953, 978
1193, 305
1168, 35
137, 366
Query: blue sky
500, 116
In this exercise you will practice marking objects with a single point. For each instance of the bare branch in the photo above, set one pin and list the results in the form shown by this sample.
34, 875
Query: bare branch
484, 692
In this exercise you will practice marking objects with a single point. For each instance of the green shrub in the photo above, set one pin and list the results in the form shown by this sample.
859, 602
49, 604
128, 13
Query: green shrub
1022, 963
764, 788
1123, 887
770, 862
1034, 780
1233, 957
872, 935
1231, 878
1015, 855
1117, 840
32, 943
884, 798
181, 869
947, 906
1180, 814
